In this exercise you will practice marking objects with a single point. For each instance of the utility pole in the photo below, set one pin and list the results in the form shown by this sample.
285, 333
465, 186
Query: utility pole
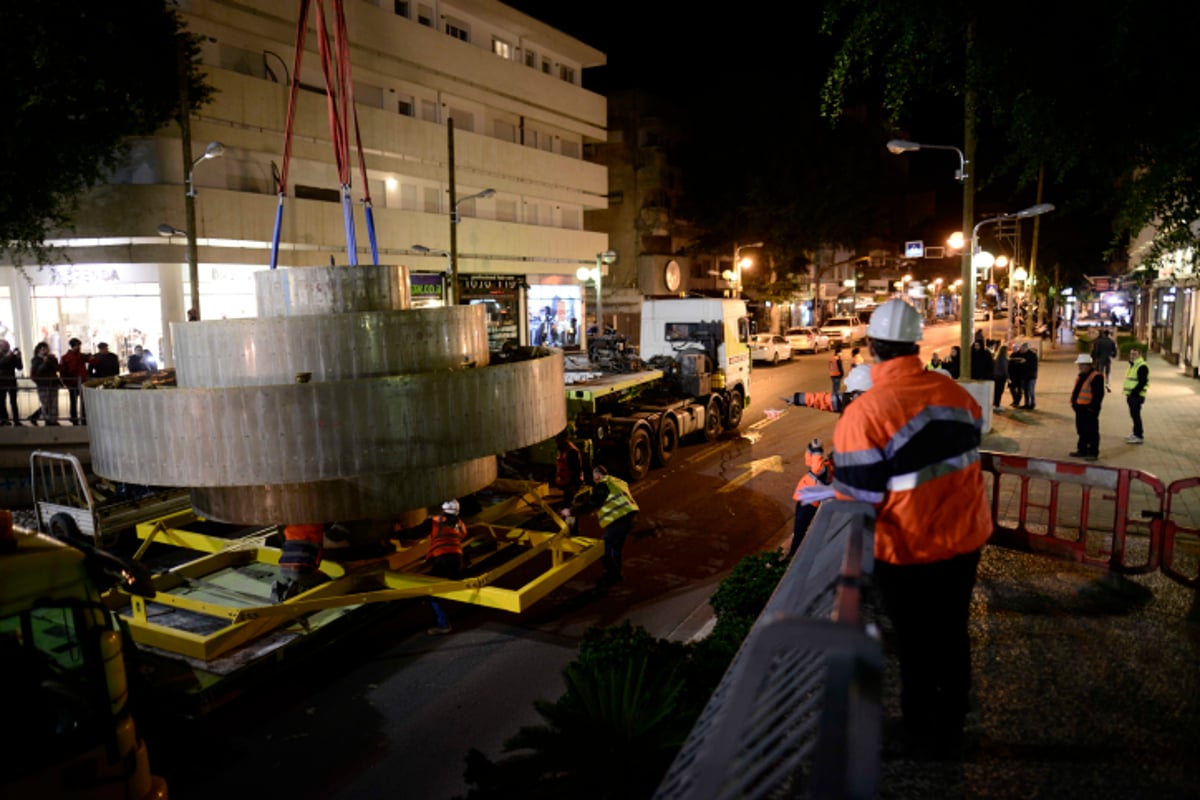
452, 278
967, 306
189, 198
1037, 223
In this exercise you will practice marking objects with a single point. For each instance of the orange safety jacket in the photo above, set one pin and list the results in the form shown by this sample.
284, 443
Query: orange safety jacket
1087, 394
910, 447
445, 538
302, 547
835, 367
822, 477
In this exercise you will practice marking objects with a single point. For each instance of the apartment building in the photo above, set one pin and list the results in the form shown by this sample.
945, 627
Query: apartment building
521, 121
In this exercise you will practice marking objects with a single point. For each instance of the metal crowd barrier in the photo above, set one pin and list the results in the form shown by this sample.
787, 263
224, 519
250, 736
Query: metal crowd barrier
799, 711
1122, 520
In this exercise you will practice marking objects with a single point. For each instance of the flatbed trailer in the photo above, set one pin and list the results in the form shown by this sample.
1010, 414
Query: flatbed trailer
210, 625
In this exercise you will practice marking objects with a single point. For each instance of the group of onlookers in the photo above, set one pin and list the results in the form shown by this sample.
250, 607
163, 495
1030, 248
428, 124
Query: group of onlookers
50, 374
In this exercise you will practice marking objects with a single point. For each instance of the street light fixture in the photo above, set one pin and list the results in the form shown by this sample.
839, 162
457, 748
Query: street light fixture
211, 150
1025, 213
967, 307
455, 218
595, 275
739, 263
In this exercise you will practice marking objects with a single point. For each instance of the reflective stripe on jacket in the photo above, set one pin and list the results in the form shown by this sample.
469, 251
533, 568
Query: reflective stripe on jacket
910, 447
835, 367
445, 538
618, 503
822, 478
1132, 379
1087, 393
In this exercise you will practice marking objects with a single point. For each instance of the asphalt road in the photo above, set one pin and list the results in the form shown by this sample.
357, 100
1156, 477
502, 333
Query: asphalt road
395, 710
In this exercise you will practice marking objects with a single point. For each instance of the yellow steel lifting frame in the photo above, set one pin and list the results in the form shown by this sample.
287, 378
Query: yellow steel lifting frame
238, 610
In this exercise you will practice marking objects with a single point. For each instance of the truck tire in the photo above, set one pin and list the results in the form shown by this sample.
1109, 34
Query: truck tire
733, 414
63, 527
640, 453
712, 420
667, 441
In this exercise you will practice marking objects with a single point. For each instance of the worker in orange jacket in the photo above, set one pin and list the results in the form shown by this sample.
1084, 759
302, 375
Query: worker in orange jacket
299, 560
445, 555
857, 382
819, 474
837, 370
910, 447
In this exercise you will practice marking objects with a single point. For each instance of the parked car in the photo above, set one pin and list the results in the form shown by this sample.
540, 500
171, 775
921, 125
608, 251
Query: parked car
770, 347
806, 340
845, 330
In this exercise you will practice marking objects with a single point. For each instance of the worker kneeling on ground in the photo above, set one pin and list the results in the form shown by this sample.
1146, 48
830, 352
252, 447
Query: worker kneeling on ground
298, 560
616, 512
910, 447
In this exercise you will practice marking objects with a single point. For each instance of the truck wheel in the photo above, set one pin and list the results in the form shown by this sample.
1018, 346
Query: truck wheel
733, 414
712, 420
640, 453
668, 440
64, 528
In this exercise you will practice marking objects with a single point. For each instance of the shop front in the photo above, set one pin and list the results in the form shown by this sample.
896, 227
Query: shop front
555, 312
501, 296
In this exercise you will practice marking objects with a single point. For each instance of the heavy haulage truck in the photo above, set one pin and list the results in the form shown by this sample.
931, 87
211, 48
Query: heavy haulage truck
689, 375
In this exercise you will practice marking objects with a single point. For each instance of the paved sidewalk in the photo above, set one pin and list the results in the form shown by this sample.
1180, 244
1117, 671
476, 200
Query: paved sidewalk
1171, 416
1084, 683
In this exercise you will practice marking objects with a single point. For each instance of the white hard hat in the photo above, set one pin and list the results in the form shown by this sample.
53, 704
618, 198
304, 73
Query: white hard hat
859, 379
1084, 358
450, 507
895, 321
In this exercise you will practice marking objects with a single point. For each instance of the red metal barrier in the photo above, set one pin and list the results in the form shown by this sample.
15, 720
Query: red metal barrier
1176, 535
1088, 512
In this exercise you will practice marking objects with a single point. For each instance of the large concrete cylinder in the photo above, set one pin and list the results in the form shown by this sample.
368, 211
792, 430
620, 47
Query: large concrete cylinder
337, 403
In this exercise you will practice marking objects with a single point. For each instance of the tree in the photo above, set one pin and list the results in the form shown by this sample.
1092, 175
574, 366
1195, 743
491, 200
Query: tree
80, 79
1092, 101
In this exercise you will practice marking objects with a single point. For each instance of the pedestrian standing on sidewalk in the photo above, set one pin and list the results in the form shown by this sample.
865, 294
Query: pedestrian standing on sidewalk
910, 448
1029, 375
1016, 375
999, 376
1086, 398
1137, 379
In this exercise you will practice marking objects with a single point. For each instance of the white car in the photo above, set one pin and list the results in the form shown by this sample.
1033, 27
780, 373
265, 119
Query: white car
845, 330
808, 340
770, 347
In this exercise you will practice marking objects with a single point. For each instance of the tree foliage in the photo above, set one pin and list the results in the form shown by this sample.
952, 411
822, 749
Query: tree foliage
80, 78
1089, 94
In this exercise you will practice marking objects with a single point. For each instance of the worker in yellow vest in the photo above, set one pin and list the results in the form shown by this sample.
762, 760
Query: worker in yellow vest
1137, 379
616, 512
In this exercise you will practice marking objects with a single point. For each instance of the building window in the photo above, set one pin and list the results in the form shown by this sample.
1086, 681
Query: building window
405, 106
425, 15
566, 73
572, 218
504, 130
506, 210
403, 8
458, 30
547, 67
502, 48
247, 62
323, 194
570, 148
531, 59
463, 120
432, 196
408, 197
429, 111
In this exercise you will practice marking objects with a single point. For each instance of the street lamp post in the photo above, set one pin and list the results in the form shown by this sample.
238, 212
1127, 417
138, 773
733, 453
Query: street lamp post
967, 306
739, 263
451, 295
211, 150
595, 275
1032, 211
